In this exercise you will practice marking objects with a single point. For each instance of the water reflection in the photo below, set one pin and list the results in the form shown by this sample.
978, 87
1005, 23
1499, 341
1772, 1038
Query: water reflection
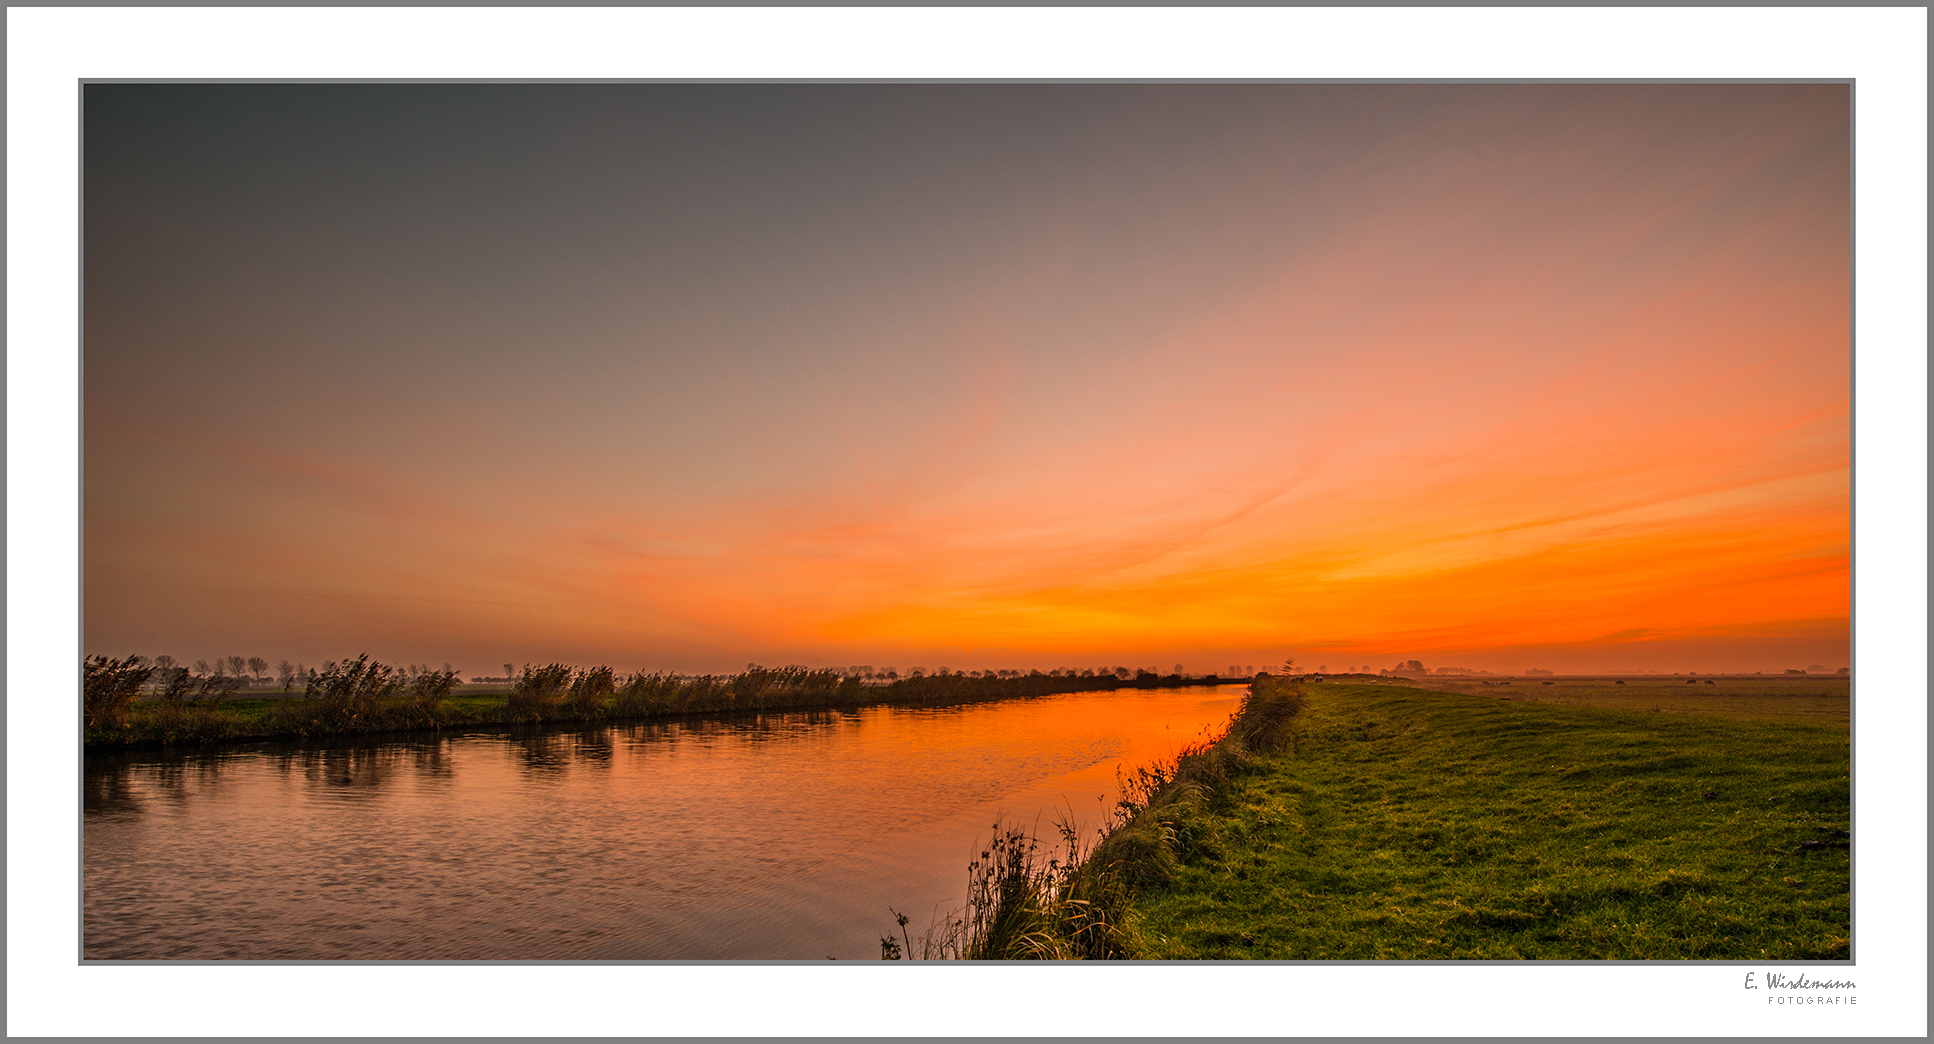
545, 756
592, 747
779, 836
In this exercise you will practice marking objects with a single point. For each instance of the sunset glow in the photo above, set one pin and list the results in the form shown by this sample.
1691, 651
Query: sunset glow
684, 376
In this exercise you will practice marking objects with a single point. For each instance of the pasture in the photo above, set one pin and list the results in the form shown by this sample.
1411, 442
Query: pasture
1579, 823
1807, 700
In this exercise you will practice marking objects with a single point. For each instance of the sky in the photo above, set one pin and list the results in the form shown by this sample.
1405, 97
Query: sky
683, 377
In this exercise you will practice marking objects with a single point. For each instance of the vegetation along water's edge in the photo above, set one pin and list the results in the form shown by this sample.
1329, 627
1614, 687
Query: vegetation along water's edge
1354, 822
130, 702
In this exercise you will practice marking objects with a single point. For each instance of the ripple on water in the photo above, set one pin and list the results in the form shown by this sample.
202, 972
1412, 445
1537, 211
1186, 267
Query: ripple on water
775, 837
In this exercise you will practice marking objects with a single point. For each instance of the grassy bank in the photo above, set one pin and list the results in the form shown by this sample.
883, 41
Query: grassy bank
1030, 899
1391, 822
1408, 824
127, 705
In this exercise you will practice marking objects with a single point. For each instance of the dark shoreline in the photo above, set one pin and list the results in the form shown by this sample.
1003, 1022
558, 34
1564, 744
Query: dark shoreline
210, 724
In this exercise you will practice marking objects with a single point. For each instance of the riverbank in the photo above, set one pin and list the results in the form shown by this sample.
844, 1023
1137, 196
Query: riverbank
1421, 825
1032, 900
1389, 822
362, 699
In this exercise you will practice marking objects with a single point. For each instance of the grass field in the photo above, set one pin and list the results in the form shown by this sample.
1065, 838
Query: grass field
1582, 820
1819, 700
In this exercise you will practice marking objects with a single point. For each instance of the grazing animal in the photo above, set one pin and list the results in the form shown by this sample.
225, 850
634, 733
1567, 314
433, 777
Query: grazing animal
1618, 683
1692, 681
1709, 681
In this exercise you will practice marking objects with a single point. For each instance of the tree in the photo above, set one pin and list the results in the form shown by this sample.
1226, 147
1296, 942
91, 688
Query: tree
237, 666
258, 667
285, 673
1289, 666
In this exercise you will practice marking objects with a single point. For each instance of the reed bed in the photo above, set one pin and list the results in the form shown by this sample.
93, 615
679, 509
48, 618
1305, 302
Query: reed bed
129, 703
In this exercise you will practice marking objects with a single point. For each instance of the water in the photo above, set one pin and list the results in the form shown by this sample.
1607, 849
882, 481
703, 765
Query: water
781, 837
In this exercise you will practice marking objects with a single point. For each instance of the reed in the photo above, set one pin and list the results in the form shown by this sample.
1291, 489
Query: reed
538, 693
1025, 902
588, 692
109, 687
362, 696
429, 691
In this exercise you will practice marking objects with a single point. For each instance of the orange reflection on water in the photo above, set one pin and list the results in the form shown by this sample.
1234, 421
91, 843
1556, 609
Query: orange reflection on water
778, 837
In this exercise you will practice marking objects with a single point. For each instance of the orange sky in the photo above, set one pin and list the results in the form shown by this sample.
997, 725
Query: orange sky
997, 376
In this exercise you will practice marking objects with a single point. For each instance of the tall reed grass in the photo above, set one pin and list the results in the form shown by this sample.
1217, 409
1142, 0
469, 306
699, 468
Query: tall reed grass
109, 687
361, 695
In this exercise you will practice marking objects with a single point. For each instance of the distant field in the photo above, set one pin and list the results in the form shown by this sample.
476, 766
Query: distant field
1814, 700
1568, 821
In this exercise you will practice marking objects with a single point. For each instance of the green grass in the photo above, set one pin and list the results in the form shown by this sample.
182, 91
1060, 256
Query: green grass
1818, 700
1415, 824
1030, 899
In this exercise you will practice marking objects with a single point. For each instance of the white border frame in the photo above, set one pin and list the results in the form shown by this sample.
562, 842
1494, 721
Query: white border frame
51, 50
